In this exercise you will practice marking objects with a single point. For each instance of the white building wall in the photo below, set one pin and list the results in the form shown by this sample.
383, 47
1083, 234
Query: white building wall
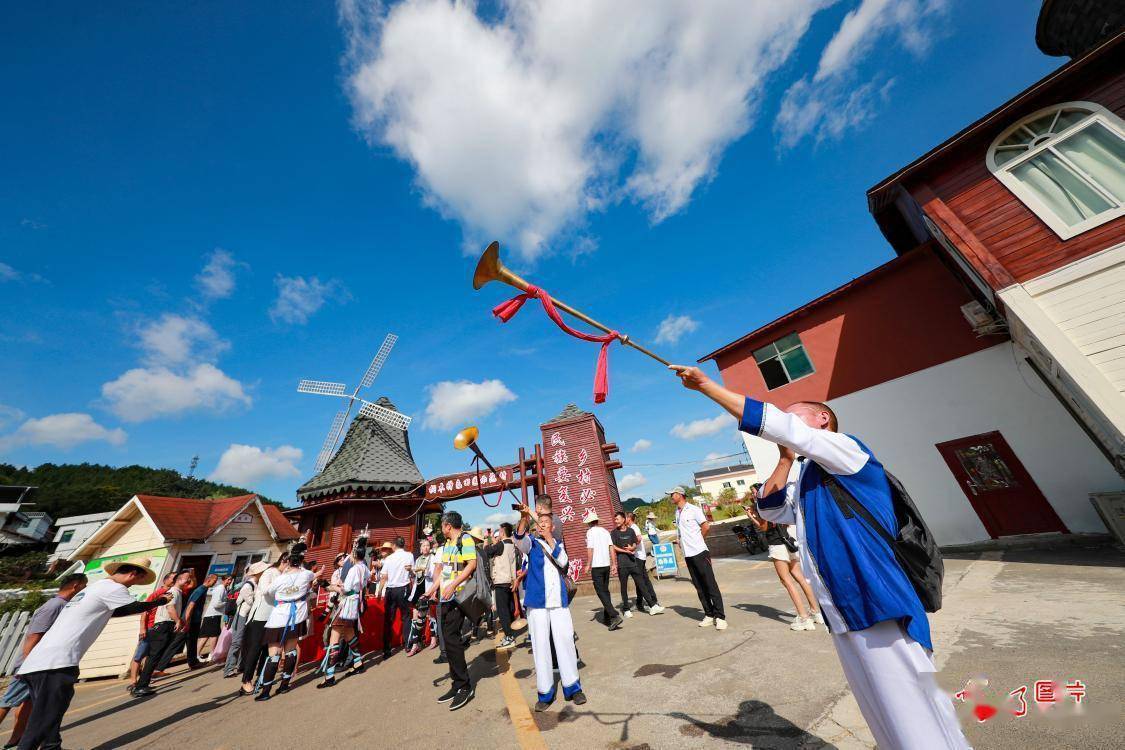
83, 527
902, 420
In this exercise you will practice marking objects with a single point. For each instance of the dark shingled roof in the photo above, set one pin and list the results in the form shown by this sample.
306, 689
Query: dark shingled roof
570, 412
374, 456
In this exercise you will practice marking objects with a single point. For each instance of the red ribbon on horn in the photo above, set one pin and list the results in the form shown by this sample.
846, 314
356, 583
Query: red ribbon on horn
507, 310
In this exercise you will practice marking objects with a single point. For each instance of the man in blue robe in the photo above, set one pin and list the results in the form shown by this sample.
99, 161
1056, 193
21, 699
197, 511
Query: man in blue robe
878, 624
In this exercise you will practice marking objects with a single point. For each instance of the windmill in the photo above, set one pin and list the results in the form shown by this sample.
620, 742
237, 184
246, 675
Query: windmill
367, 409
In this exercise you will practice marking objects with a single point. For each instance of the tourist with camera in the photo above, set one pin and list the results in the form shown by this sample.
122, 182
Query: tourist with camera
458, 561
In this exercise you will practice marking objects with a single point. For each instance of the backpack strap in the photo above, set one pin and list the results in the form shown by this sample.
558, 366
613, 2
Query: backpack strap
847, 502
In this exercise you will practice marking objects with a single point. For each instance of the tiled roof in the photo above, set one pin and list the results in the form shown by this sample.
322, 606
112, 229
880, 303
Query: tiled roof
191, 518
570, 412
374, 456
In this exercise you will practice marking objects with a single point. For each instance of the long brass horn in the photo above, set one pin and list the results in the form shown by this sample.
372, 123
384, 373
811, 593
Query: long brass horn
491, 268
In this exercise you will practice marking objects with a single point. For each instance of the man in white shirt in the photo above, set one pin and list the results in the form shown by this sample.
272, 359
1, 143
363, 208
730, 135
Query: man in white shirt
398, 568
51, 669
598, 544
642, 562
692, 526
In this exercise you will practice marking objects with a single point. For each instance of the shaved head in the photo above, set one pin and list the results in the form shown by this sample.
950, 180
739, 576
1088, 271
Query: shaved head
815, 414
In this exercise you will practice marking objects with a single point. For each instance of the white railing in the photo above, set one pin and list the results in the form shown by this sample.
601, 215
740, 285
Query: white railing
13, 627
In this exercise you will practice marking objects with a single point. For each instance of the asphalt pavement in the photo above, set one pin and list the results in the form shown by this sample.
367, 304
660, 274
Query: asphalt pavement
1009, 620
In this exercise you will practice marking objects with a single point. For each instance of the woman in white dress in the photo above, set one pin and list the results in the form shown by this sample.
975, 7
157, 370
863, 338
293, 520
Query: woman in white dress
287, 623
345, 625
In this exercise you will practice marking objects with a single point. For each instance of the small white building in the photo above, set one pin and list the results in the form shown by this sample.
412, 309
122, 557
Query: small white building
739, 477
72, 531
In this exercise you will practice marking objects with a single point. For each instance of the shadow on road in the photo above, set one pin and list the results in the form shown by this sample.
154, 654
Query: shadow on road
669, 671
757, 724
766, 611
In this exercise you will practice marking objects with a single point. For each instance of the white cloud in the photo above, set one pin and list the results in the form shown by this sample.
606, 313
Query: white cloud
830, 103
9, 273
9, 415
498, 518
630, 482
713, 457
216, 280
62, 431
641, 446
702, 427
298, 297
246, 465
454, 403
674, 327
521, 125
177, 339
146, 393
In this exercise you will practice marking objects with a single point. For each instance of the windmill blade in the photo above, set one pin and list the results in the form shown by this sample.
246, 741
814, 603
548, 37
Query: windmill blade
322, 387
329, 447
384, 415
377, 362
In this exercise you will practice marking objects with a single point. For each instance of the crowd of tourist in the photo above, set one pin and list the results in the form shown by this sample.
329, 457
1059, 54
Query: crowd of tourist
466, 580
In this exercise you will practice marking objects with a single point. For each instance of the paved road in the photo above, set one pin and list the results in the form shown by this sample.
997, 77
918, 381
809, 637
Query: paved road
662, 682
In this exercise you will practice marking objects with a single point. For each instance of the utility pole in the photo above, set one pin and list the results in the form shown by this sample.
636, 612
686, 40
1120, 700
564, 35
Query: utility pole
191, 469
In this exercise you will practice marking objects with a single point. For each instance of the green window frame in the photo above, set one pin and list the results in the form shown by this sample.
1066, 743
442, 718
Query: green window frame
783, 361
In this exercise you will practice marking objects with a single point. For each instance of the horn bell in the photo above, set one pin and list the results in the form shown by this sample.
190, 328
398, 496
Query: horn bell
488, 267
466, 437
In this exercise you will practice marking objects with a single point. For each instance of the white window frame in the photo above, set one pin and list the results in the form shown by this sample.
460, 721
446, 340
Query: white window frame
1096, 114
784, 368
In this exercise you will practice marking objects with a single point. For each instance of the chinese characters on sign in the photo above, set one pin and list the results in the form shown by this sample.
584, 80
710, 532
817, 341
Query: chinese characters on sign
470, 482
571, 471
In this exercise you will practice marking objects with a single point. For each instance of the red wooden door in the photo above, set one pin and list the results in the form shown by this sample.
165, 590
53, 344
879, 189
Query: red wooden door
998, 486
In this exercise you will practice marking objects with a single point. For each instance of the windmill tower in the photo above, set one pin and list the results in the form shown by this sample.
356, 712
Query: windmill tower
367, 408
366, 480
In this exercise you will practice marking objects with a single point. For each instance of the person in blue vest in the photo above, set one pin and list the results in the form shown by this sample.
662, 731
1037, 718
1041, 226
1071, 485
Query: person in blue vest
878, 624
548, 616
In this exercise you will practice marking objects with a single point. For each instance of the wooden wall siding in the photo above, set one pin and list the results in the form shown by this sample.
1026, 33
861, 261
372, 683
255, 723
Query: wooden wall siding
1018, 239
350, 520
1091, 312
111, 652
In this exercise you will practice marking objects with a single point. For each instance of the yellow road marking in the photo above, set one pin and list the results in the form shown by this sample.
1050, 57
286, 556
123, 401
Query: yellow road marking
527, 731
760, 564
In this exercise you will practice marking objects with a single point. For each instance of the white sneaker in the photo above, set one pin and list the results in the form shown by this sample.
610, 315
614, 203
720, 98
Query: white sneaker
628, 613
818, 617
802, 623
655, 609
707, 622
720, 624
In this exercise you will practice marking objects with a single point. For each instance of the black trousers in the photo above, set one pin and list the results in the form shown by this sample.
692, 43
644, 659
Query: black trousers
395, 604
160, 638
633, 570
600, 577
703, 578
253, 652
51, 693
452, 622
189, 638
504, 609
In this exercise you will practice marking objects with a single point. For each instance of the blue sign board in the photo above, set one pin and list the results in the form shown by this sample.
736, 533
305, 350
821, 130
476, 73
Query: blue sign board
221, 569
665, 555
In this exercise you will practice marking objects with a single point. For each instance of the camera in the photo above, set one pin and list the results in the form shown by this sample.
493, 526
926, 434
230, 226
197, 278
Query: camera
423, 603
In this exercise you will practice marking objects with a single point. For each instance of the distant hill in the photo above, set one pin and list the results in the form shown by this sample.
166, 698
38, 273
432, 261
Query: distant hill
77, 489
633, 503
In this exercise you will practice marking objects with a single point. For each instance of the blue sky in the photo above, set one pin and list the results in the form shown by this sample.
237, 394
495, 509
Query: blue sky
202, 204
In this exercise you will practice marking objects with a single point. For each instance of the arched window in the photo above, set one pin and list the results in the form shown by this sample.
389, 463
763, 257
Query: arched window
1067, 164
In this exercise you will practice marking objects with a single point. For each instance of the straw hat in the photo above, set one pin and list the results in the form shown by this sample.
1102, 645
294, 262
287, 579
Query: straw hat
590, 516
144, 563
387, 545
651, 515
258, 568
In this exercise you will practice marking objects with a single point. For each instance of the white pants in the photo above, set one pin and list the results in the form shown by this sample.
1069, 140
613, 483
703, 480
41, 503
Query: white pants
544, 626
892, 678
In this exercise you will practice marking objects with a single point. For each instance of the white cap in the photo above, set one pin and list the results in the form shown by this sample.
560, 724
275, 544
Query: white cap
677, 490
589, 516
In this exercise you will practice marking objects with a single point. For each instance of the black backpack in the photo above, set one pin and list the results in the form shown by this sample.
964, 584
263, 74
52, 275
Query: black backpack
230, 604
914, 546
